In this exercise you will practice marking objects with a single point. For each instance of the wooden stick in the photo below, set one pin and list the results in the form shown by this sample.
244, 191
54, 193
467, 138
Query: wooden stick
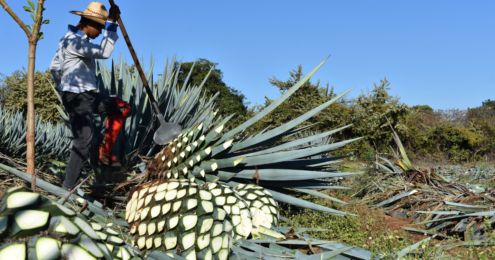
138, 66
74, 189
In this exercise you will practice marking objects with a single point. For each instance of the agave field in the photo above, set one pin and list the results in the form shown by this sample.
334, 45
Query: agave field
218, 193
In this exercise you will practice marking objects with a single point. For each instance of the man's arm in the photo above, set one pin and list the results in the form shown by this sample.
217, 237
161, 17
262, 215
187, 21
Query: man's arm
105, 49
94, 51
56, 70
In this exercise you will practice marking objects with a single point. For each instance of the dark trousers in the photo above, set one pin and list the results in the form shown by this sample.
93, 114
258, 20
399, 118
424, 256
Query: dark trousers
81, 107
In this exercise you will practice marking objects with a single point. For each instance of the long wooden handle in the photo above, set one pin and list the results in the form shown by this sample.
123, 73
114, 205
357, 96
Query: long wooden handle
138, 65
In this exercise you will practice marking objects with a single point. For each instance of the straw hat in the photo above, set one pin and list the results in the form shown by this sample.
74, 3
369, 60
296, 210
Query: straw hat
95, 11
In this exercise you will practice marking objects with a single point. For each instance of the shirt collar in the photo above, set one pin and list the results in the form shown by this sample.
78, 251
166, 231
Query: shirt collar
74, 29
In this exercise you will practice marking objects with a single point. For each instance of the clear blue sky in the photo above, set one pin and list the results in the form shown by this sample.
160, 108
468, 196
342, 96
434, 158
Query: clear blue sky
438, 53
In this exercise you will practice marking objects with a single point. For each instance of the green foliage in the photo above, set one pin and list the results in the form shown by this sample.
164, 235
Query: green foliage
370, 232
52, 140
13, 94
32, 9
373, 112
368, 113
230, 100
488, 103
307, 97
447, 136
184, 106
452, 135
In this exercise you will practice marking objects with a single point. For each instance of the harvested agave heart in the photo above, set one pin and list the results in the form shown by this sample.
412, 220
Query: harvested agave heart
235, 206
207, 155
179, 217
263, 207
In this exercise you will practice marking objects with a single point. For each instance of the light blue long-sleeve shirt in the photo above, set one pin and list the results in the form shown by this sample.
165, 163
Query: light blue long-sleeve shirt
73, 67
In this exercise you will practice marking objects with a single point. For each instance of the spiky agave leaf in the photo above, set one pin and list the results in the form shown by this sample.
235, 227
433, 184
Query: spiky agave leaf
44, 229
272, 244
206, 153
178, 104
52, 140
179, 217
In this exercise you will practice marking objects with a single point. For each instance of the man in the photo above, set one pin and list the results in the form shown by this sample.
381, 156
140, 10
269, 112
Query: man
74, 72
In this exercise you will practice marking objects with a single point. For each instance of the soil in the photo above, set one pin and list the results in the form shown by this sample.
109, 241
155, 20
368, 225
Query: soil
470, 200
346, 199
385, 222
390, 224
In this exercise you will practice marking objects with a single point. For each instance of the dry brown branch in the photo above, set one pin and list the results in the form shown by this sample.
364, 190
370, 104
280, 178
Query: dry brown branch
74, 189
84, 206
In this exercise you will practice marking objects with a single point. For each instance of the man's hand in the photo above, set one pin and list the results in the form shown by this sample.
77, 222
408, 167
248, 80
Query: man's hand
114, 14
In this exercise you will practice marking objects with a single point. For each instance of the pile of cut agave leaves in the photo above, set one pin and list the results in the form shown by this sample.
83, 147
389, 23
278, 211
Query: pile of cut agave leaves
445, 202
197, 200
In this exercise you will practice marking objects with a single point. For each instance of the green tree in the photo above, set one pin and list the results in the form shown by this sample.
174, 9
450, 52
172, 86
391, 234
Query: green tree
373, 108
306, 98
484, 112
489, 103
422, 109
13, 94
33, 34
229, 101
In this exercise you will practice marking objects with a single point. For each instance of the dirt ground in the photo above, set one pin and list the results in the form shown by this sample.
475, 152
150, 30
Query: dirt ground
389, 224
